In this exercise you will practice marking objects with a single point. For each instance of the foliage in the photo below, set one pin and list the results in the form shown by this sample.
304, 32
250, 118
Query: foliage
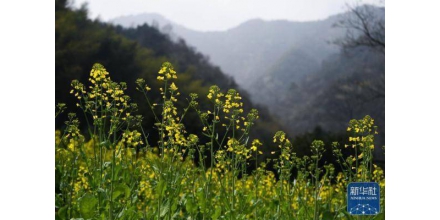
132, 54
293, 68
120, 173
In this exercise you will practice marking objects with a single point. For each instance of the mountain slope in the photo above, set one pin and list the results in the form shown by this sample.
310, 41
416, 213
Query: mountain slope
296, 70
247, 51
346, 86
129, 54
286, 74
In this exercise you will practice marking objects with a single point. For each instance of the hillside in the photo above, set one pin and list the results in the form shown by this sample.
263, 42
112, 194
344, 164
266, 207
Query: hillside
293, 68
249, 50
131, 54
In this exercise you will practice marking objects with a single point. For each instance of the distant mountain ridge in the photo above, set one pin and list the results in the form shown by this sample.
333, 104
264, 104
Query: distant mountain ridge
292, 67
129, 54
144, 18
250, 49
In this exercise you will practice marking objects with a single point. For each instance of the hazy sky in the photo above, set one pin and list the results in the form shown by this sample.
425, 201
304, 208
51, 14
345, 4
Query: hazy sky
207, 15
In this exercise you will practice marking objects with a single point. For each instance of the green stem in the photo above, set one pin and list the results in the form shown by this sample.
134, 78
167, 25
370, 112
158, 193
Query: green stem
316, 214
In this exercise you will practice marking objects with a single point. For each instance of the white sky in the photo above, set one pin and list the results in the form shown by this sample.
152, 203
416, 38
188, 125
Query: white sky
205, 15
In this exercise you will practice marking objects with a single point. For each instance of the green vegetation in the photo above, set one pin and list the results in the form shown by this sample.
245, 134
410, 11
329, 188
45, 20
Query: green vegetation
132, 54
186, 143
295, 70
119, 173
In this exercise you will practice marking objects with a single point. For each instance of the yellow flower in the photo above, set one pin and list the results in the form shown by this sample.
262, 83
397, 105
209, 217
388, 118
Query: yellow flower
162, 70
173, 87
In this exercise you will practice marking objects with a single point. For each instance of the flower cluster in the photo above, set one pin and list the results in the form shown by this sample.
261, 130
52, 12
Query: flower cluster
363, 125
106, 99
240, 150
285, 145
233, 103
167, 72
215, 95
72, 128
255, 145
132, 138
117, 174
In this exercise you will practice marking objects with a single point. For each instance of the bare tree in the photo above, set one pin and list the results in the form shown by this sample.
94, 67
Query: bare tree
365, 27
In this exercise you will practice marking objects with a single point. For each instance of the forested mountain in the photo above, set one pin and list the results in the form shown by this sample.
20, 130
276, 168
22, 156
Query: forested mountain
347, 85
294, 68
283, 77
129, 54
250, 50
247, 51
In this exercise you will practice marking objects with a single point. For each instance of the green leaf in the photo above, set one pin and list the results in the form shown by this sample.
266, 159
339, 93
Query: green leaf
217, 213
174, 207
176, 214
190, 205
164, 209
129, 213
121, 189
301, 212
62, 213
161, 188
87, 206
201, 198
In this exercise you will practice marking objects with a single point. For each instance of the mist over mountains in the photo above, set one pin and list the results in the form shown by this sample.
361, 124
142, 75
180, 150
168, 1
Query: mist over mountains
250, 49
130, 54
294, 68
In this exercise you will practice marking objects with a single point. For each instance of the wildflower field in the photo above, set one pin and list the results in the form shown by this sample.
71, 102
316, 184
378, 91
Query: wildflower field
114, 171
